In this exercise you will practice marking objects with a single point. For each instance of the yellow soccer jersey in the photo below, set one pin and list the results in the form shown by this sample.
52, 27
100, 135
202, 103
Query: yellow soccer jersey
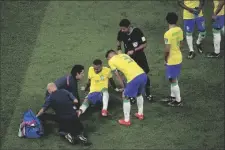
126, 65
216, 3
173, 37
191, 4
99, 81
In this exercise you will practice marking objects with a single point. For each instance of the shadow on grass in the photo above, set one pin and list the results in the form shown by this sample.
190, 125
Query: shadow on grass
20, 22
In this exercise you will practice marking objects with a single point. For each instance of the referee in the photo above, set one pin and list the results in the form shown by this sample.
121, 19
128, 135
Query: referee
134, 44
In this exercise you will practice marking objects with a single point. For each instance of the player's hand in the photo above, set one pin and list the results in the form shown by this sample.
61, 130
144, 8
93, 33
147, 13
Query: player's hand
194, 11
78, 113
75, 101
130, 52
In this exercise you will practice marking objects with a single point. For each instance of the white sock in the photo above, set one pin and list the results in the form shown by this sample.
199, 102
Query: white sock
176, 91
171, 92
189, 39
105, 100
126, 110
83, 107
201, 37
216, 42
222, 30
140, 103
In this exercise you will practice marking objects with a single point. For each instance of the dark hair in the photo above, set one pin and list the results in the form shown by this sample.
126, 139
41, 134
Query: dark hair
77, 69
124, 23
97, 62
172, 18
108, 52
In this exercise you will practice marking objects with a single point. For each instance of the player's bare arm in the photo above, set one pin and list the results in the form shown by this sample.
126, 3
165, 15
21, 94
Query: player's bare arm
119, 78
182, 5
41, 111
220, 6
201, 5
167, 52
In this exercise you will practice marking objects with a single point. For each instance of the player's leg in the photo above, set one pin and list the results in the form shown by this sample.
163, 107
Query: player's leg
173, 72
84, 106
200, 21
140, 100
105, 101
217, 26
130, 92
189, 25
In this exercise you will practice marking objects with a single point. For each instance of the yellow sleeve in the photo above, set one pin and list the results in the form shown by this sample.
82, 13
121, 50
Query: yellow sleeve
112, 66
181, 36
109, 74
167, 38
89, 73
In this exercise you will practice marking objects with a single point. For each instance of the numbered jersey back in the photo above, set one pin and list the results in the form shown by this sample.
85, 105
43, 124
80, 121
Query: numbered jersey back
126, 65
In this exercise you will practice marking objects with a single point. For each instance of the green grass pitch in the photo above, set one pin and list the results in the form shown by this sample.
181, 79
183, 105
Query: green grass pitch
41, 41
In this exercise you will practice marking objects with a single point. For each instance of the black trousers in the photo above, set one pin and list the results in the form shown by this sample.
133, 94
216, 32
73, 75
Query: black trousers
71, 125
141, 60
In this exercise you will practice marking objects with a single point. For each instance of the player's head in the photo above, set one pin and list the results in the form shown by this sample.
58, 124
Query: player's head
51, 87
77, 72
172, 18
110, 53
97, 64
124, 25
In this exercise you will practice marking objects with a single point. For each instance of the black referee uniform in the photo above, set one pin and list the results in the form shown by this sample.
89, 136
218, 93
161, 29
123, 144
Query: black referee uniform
131, 40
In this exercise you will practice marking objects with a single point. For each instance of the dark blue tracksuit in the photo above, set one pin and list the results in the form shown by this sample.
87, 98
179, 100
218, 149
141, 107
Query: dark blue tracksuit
68, 83
61, 101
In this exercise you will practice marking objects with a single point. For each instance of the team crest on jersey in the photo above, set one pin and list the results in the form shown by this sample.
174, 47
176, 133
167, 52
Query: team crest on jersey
102, 77
135, 44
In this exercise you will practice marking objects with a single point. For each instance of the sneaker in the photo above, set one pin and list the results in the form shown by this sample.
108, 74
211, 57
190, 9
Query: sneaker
213, 55
140, 117
70, 138
83, 140
123, 122
168, 99
191, 55
104, 113
199, 48
149, 98
175, 103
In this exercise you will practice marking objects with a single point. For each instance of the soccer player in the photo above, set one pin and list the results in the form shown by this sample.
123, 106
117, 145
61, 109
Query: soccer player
192, 15
134, 44
218, 26
69, 82
173, 57
136, 81
99, 77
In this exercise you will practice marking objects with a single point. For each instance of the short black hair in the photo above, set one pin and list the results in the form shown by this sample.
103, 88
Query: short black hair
172, 18
97, 62
108, 52
124, 23
77, 69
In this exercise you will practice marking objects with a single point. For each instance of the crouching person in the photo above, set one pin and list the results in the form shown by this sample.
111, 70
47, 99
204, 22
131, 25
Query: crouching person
62, 102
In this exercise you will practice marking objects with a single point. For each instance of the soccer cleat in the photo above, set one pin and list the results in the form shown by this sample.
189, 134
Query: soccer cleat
83, 140
149, 98
140, 117
104, 113
199, 48
175, 103
168, 99
70, 138
213, 55
123, 122
191, 55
